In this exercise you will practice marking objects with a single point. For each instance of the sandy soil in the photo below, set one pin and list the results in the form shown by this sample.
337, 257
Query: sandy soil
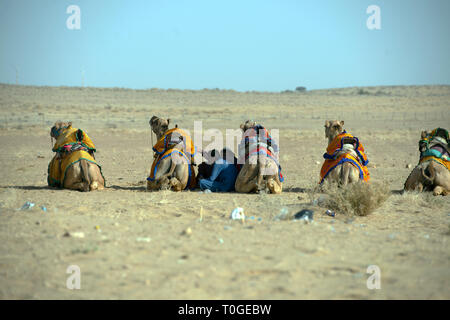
139, 251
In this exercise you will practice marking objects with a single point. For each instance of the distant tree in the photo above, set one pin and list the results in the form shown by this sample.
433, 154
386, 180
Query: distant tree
300, 89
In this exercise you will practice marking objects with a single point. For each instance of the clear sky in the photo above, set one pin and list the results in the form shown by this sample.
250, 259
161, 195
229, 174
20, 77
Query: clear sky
241, 45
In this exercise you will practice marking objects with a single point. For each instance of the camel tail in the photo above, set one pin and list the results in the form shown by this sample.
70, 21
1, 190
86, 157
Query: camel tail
431, 177
85, 174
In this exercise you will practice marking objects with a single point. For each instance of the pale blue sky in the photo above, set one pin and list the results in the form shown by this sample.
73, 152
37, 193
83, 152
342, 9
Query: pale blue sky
241, 45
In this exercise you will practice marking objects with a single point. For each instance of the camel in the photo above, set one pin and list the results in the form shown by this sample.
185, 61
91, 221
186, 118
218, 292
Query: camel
173, 159
73, 166
345, 159
433, 171
260, 172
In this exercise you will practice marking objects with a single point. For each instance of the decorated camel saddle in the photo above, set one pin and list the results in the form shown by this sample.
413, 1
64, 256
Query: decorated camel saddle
71, 146
178, 145
345, 148
258, 142
435, 146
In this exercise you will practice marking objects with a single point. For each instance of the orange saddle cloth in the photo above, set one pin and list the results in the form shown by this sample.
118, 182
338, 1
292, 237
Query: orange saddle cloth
332, 160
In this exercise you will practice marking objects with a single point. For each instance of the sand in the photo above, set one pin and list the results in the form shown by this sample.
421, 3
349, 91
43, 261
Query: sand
134, 244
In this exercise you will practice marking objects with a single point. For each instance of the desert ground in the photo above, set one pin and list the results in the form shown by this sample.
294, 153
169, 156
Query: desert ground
135, 244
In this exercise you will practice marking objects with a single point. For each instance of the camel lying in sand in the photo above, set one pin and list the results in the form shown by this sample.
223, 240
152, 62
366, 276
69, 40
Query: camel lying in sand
345, 160
172, 167
73, 166
433, 171
260, 171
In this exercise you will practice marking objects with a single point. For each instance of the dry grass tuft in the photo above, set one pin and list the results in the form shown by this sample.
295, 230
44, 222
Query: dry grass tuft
358, 199
419, 199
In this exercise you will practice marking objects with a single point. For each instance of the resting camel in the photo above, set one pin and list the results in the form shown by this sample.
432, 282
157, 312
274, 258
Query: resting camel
433, 171
345, 160
173, 159
260, 171
73, 166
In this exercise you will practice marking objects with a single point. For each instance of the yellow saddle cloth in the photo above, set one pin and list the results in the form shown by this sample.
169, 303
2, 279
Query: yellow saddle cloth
71, 136
71, 146
445, 163
332, 160
58, 166
185, 150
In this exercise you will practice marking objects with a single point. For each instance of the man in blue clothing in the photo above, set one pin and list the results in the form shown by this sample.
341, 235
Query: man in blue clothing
223, 175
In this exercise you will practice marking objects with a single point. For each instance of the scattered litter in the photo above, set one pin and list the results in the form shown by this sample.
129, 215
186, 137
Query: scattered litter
74, 234
259, 219
427, 236
282, 215
98, 228
187, 232
319, 201
221, 241
238, 214
363, 225
227, 228
392, 236
143, 239
205, 191
330, 213
43, 208
409, 166
331, 228
305, 215
27, 205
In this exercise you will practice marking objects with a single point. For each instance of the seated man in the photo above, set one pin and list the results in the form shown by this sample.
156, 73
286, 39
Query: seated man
223, 175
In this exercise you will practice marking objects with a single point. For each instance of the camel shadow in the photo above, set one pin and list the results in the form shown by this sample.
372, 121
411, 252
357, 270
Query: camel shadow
28, 187
129, 188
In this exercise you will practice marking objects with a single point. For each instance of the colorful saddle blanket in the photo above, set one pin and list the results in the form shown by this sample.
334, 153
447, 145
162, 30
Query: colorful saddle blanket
435, 146
333, 157
257, 141
71, 146
445, 163
175, 143
72, 136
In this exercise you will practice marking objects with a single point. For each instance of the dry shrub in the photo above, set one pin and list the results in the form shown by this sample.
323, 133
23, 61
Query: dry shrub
358, 199
419, 199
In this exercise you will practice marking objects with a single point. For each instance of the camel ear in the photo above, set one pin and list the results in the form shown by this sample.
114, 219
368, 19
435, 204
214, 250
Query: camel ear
69, 124
327, 123
341, 122
423, 134
168, 121
242, 126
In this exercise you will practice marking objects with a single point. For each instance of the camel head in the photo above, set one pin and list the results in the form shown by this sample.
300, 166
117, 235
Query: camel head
333, 128
422, 143
247, 125
56, 129
159, 126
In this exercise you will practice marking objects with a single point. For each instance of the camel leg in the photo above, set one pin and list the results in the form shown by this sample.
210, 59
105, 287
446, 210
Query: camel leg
246, 180
438, 190
97, 181
180, 177
413, 182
